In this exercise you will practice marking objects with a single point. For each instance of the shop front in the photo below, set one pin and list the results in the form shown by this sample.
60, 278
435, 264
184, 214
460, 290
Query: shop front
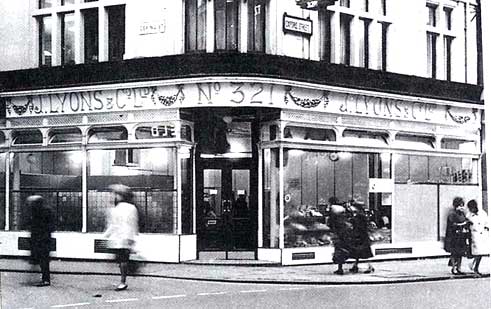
236, 164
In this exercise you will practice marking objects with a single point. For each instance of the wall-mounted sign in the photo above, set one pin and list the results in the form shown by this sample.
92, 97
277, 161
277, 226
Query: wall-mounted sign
152, 27
297, 25
239, 93
156, 131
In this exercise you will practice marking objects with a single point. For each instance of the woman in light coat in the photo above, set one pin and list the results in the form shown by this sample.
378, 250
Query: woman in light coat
479, 234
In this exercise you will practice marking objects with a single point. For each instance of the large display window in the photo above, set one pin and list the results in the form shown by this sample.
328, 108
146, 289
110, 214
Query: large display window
310, 179
150, 173
55, 175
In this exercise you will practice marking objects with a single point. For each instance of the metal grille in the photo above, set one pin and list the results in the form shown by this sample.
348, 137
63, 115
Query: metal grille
393, 250
100, 246
106, 117
156, 115
26, 122
66, 205
24, 243
308, 117
65, 120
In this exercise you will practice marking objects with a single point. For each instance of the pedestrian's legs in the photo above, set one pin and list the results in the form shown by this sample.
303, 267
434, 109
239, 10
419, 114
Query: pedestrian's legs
458, 263
477, 261
354, 269
123, 267
339, 271
44, 264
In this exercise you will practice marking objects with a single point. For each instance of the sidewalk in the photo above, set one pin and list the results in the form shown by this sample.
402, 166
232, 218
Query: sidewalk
398, 271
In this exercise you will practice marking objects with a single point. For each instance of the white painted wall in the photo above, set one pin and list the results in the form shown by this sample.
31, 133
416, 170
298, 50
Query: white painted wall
406, 38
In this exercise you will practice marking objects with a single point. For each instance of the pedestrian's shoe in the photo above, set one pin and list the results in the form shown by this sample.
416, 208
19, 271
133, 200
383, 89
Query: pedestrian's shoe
369, 270
121, 286
457, 272
43, 283
339, 272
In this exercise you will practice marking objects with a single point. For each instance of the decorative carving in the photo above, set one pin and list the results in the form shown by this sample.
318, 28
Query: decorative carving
305, 102
19, 109
168, 100
457, 118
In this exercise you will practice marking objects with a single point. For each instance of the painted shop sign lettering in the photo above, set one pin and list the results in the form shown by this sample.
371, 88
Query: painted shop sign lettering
297, 25
238, 93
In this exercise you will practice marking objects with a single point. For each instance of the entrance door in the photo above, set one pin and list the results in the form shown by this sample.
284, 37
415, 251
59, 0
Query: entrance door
225, 214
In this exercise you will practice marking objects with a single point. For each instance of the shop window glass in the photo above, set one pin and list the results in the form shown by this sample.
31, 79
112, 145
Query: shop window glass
256, 25
303, 133
68, 38
55, 175
271, 202
226, 24
195, 25
414, 141
362, 137
107, 134
91, 35
71, 135
3, 157
458, 144
45, 50
152, 180
28, 137
116, 32
312, 178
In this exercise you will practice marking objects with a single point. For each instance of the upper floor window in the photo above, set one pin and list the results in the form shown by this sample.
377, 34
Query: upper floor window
91, 35
448, 17
345, 23
226, 26
45, 3
431, 14
116, 32
256, 25
45, 51
195, 21
68, 38
59, 28
345, 3
431, 39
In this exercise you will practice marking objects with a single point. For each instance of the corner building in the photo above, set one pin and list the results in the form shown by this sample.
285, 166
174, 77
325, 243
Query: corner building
235, 121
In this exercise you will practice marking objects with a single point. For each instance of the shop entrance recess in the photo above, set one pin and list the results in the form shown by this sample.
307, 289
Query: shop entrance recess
226, 207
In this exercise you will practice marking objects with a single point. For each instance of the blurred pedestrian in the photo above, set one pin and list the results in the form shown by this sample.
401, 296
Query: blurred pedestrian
479, 229
359, 240
341, 228
457, 235
122, 229
42, 225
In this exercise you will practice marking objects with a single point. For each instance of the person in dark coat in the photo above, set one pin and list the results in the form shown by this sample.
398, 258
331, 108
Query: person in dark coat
457, 235
359, 239
341, 228
42, 225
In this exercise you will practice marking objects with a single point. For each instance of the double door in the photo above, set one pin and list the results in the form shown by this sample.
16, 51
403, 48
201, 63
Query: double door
226, 207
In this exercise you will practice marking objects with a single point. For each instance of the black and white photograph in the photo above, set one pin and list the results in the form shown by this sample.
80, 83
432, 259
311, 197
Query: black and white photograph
244, 154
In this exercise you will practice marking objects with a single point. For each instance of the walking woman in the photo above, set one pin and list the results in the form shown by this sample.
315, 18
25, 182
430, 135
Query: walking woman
360, 243
479, 234
457, 235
